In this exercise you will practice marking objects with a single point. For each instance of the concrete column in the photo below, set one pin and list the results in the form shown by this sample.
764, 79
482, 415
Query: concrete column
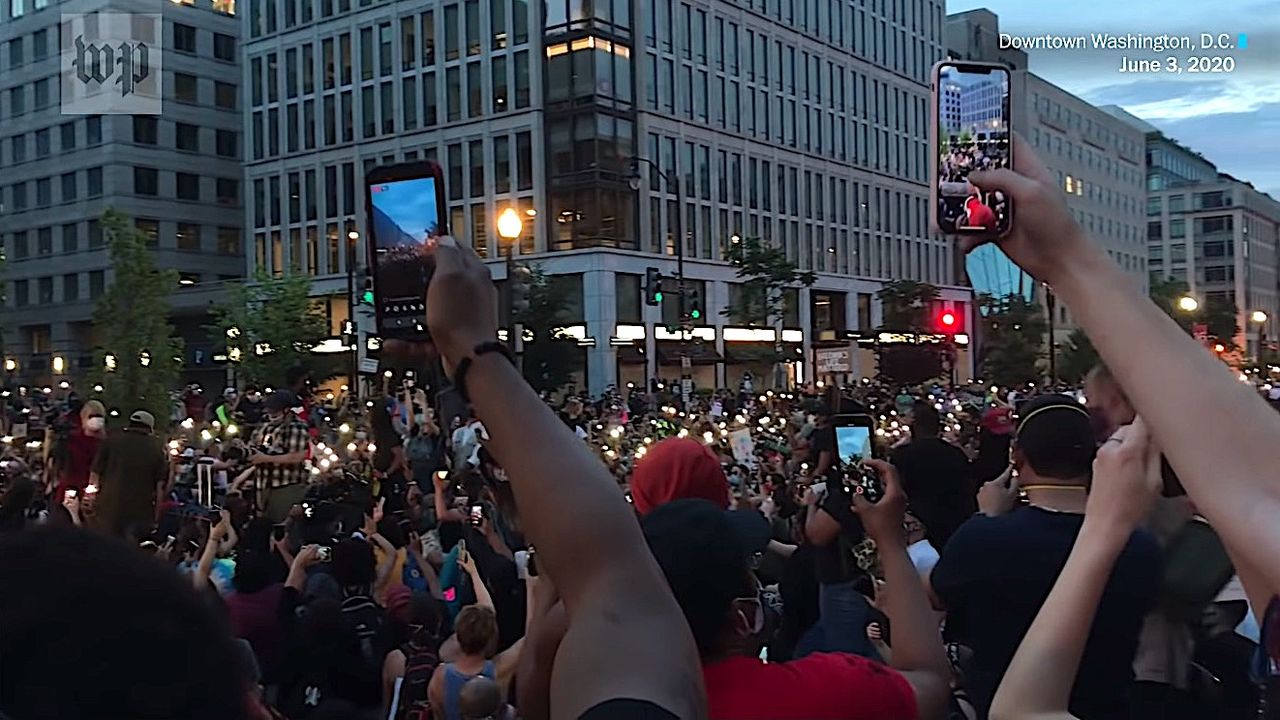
806, 326
601, 310
717, 300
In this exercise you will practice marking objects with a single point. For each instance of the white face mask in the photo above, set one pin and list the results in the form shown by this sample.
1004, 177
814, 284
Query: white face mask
95, 423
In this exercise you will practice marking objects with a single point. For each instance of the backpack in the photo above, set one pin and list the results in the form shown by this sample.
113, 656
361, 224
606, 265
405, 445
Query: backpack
419, 665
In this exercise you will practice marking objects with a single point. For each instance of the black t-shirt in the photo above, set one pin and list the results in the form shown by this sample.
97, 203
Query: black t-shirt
939, 485
251, 410
835, 563
824, 439
994, 575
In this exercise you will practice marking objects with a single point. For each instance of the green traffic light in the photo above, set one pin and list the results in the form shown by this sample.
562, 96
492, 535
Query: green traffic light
695, 314
367, 297
657, 297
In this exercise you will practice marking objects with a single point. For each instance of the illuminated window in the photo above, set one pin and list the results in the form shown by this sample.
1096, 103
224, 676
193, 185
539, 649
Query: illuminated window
227, 7
1071, 187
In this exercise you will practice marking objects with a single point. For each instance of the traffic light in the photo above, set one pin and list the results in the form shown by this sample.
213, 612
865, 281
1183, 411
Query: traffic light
652, 286
947, 321
694, 304
366, 295
520, 281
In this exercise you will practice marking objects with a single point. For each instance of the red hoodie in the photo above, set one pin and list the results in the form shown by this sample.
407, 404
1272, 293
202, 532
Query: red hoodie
675, 469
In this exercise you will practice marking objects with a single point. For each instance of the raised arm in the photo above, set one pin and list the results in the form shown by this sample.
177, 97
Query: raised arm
1218, 435
601, 563
1126, 478
483, 598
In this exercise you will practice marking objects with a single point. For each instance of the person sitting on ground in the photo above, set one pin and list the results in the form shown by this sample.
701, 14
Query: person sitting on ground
998, 567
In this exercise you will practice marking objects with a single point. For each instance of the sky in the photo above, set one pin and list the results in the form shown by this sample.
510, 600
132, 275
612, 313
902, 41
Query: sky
411, 204
1233, 119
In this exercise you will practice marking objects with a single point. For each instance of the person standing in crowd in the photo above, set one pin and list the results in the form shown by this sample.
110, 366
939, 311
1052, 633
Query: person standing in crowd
422, 451
249, 406
131, 471
193, 402
280, 449
221, 410
388, 457
704, 554
77, 452
935, 475
998, 567
466, 441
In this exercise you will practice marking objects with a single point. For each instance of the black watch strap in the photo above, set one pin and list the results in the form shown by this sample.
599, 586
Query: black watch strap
484, 348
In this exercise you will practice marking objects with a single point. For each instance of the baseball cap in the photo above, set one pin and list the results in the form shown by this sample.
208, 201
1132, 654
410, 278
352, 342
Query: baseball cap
705, 553
1056, 436
678, 468
142, 417
229, 392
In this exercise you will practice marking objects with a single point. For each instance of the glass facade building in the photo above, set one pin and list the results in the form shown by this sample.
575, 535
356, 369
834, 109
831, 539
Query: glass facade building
800, 122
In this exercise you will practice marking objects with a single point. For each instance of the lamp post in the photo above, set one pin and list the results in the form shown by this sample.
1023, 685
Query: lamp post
509, 228
353, 238
1259, 318
1188, 304
673, 183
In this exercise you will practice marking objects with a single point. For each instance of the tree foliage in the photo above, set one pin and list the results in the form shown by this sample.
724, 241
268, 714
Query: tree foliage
131, 320
271, 324
548, 363
905, 364
1076, 357
765, 272
1217, 313
905, 306
1013, 335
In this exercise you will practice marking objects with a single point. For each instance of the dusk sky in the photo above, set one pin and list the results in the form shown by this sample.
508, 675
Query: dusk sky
1233, 119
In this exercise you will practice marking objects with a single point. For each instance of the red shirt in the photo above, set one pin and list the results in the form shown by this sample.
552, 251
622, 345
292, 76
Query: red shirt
81, 449
823, 686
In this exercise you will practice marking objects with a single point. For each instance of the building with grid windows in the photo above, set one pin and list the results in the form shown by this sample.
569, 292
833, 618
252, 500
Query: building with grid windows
1098, 159
801, 123
177, 174
1217, 234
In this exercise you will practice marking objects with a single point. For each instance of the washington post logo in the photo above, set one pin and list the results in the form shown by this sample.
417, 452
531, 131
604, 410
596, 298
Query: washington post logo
111, 64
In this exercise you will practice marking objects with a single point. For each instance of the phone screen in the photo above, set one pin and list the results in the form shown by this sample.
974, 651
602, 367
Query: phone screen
973, 126
404, 218
853, 445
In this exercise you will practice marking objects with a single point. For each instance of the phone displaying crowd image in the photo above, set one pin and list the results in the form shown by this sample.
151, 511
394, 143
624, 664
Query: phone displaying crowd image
477, 515
854, 444
406, 212
971, 131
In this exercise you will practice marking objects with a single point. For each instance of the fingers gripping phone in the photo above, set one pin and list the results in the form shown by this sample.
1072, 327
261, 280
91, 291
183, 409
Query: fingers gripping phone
854, 444
406, 212
971, 131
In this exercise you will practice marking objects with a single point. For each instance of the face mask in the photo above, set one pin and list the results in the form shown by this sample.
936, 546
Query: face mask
95, 423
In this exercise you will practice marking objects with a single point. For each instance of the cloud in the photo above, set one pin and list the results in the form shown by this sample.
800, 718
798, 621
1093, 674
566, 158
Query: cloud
1149, 91
1244, 144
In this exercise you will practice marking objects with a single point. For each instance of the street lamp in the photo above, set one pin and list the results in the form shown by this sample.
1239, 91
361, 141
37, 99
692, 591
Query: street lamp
59, 364
353, 238
1259, 318
509, 228
1186, 303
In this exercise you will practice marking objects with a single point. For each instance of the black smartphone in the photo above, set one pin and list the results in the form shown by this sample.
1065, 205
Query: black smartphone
855, 442
531, 569
971, 131
406, 211
278, 532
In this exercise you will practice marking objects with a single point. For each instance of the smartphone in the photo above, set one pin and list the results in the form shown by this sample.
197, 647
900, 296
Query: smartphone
91, 490
324, 553
971, 131
71, 493
477, 514
462, 551
406, 211
855, 443
278, 532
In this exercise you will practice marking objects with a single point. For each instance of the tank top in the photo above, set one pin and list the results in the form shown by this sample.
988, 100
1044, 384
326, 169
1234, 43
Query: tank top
453, 682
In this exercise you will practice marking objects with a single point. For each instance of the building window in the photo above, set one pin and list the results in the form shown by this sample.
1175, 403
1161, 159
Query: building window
187, 137
224, 46
93, 181
70, 237
93, 130
21, 293
95, 234
145, 129
229, 241
228, 191
1177, 203
44, 241
1154, 205
1177, 228
68, 136
226, 143
97, 284
224, 95
70, 287
146, 181
1178, 252
184, 38
184, 87
627, 297
68, 187
150, 229
188, 236
188, 186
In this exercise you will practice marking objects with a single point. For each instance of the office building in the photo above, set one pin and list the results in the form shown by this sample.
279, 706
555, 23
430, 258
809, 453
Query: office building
1218, 234
1098, 159
176, 174
800, 123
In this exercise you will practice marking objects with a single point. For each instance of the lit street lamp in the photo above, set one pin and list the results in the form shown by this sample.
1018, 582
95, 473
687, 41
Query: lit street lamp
509, 228
1258, 317
1186, 303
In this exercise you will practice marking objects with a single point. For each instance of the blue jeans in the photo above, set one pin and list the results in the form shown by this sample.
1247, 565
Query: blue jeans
842, 623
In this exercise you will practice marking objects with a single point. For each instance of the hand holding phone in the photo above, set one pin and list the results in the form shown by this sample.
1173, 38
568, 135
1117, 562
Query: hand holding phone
324, 553
407, 212
972, 133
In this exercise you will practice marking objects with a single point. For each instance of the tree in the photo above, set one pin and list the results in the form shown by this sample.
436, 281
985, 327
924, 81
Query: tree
138, 359
1013, 331
766, 273
905, 305
1218, 313
271, 324
548, 362
1077, 357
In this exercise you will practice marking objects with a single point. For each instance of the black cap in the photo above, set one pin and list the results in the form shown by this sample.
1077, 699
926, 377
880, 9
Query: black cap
704, 553
281, 400
1056, 437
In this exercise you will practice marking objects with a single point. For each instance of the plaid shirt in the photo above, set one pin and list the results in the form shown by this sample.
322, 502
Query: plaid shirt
284, 437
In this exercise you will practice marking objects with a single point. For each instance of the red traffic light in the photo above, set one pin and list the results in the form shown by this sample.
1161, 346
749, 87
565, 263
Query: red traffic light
948, 320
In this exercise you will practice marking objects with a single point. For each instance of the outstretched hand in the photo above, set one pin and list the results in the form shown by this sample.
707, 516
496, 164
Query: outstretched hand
883, 519
1126, 477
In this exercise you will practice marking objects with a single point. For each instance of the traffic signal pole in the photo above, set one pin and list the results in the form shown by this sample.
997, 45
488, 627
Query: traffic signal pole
351, 318
686, 381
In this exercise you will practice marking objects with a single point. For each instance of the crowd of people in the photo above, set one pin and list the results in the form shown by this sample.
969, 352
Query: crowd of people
961, 204
1098, 552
